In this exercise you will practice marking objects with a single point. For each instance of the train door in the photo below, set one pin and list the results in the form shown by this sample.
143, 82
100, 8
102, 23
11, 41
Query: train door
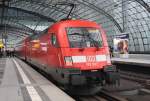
53, 51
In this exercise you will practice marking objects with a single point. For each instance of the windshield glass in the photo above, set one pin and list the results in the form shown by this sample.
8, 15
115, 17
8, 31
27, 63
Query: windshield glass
84, 37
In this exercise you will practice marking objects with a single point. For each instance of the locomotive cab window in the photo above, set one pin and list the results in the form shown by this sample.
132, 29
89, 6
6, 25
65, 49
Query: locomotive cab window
84, 37
53, 40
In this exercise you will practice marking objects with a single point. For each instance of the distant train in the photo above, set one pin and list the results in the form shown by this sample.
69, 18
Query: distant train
74, 52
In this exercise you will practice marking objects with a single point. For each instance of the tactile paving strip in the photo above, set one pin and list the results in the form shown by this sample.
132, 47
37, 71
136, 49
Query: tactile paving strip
2, 68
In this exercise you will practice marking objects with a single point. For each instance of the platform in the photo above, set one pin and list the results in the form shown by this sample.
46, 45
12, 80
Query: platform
135, 59
20, 82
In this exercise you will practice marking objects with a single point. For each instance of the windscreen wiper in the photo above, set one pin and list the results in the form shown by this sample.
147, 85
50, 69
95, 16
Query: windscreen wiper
76, 34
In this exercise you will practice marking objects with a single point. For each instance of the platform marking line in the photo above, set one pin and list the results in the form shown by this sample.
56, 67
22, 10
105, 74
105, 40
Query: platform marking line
31, 90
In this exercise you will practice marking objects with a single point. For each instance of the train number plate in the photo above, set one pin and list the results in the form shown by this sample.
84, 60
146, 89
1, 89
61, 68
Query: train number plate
91, 64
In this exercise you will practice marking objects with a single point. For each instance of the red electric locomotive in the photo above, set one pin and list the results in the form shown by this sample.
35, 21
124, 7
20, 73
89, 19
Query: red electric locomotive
74, 52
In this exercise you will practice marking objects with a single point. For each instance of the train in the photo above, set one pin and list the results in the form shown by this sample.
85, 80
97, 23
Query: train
74, 52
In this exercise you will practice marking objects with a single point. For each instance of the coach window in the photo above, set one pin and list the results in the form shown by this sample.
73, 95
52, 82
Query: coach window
53, 40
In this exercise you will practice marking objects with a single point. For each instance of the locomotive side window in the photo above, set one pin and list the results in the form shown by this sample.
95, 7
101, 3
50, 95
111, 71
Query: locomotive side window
53, 40
84, 37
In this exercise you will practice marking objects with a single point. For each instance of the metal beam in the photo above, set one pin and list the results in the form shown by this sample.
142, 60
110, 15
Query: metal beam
15, 31
15, 34
50, 6
14, 27
89, 5
144, 4
29, 12
92, 6
18, 25
2, 13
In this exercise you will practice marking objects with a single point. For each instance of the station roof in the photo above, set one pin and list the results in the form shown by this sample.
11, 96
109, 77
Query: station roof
20, 18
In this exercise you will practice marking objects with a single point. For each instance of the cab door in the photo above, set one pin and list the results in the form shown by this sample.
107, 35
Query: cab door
53, 51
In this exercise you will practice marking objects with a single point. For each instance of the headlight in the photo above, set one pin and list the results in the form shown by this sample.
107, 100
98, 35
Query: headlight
68, 60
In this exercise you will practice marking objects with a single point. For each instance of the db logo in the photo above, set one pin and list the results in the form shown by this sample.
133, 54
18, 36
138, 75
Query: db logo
90, 58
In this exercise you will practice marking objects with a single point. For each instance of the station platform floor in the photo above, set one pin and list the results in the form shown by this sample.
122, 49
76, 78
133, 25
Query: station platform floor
135, 59
20, 82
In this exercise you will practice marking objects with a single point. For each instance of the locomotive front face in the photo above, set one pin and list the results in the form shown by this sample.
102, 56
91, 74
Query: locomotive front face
86, 49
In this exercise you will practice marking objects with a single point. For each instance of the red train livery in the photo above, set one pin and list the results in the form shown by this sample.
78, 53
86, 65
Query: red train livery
74, 52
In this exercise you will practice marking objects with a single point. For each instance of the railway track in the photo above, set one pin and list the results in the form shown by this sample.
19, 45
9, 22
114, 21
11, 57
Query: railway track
136, 77
143, 79
102, 96
110, 96
105, 96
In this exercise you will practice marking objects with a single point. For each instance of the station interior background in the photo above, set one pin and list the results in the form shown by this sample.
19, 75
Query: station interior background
20, 18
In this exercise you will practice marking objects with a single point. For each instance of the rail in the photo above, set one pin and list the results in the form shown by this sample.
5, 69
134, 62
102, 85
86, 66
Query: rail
140, 78
102, 96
